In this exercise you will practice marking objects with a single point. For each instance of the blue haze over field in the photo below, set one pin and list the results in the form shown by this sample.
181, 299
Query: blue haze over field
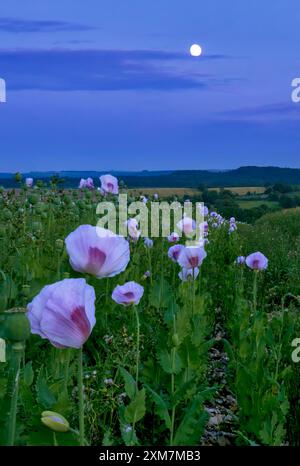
111, 85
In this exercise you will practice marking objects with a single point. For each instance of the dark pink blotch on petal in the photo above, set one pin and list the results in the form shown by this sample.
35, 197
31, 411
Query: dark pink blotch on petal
255, 264
193, 261
176, 254
79, 318
96, 260
110, 187
129, 295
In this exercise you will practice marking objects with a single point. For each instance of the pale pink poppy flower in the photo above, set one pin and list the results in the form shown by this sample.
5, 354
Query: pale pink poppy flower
204, 210
148, 242
187, 225
109, 184
188, 274
240, 260
191, 257
89, 183
173, 237
132, 226
204, 228
82, 183
155, 195
232, 228
29, 182
174, 251
97, 251
257, 261
64, 313
130, 293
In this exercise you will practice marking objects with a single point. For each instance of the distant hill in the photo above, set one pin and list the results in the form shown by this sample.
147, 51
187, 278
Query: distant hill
243, 176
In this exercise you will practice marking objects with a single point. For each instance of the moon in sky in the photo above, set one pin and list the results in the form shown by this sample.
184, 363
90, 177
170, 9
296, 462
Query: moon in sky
195, 50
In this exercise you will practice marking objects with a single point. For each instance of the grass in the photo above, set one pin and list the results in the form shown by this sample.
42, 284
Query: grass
180, 192
164, 192
245, 204
242, 190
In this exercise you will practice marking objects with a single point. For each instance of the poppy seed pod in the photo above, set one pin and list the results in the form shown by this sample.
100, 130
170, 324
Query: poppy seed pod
33, 199
59, 245
175, 339
16, 326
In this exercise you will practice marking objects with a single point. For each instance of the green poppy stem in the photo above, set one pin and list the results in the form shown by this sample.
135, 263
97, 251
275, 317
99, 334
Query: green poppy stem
255, 291
16, 357
137, 345
80, 399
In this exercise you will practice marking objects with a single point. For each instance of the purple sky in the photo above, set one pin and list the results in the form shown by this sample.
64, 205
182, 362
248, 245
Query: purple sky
111, 85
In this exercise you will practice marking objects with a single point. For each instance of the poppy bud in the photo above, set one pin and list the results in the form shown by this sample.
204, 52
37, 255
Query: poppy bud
16, 325
59, 244
175, 339
55, 421
26, 290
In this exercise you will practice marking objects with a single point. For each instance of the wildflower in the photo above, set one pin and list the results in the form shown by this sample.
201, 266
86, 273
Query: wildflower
133, 231
108, 339
55, 421
97, 251
257, 261
188, 274
203, 210
148, 243
109, 184
187, 225
191, 257
64, 313
240, 260
89, 183
130, 293
108, 382
204, 228
86, 183
173, 237
174, 251
29, 182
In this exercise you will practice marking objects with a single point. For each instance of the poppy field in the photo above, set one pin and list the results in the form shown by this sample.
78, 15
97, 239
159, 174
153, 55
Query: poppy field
131, 340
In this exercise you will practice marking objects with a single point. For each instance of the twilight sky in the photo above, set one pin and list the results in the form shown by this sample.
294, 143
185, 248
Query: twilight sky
110, 84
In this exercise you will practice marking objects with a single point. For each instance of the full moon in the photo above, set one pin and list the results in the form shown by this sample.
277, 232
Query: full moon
195, 50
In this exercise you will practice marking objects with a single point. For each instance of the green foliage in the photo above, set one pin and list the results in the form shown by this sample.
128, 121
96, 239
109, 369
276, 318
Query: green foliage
179, 326
136, 409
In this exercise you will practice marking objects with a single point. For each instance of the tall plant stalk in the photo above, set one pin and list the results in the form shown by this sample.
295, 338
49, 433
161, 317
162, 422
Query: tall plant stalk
16, 357
137, 345
80, 399
255, 291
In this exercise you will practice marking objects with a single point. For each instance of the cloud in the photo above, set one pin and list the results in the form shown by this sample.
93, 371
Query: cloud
92, 69
276, 111
16, 26
72, 42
